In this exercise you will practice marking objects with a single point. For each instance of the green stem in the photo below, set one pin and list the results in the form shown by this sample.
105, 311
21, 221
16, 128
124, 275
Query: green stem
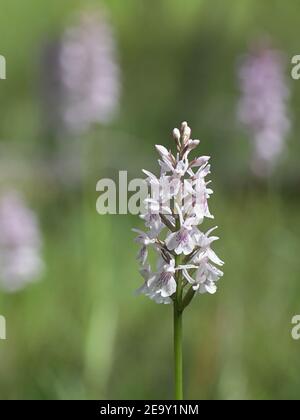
178, 335
178, 352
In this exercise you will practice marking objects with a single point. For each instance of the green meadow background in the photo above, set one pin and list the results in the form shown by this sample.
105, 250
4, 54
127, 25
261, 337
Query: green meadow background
80, 332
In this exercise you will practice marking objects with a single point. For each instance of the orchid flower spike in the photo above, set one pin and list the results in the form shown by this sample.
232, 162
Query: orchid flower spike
172, 220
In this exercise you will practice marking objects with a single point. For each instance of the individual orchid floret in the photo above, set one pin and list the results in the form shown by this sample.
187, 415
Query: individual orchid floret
182, 241
164, 282
153, 222
144, 240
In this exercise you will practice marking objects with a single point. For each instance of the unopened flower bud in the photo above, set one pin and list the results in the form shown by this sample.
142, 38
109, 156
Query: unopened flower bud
202, 160
176, 134
184, 124
186, 132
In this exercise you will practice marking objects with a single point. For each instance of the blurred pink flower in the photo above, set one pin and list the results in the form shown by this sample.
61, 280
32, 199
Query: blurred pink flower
90, 72
20, 243
263, 106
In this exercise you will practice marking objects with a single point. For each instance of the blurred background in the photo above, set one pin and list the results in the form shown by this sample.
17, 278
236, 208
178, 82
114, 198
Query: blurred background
91, 87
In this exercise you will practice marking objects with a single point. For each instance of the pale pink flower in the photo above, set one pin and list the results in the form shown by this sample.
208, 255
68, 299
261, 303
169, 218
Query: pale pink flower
89, 71
262, 108
20, 243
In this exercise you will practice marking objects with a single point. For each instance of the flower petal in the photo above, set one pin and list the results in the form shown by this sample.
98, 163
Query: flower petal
169, 287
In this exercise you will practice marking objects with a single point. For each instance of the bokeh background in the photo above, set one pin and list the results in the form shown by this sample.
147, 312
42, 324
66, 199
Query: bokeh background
78, 332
